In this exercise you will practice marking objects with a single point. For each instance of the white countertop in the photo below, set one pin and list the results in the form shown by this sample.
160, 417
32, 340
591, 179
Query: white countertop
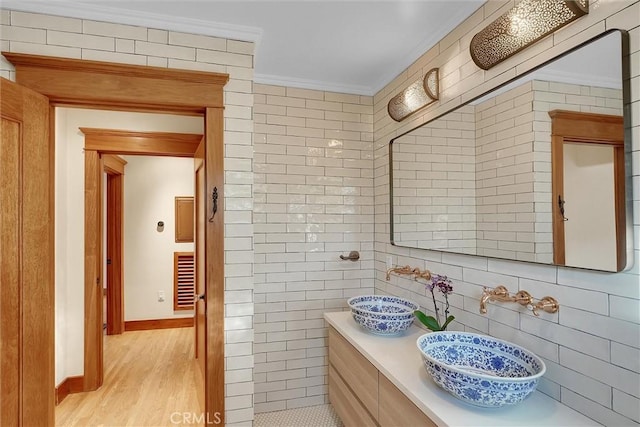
399, 359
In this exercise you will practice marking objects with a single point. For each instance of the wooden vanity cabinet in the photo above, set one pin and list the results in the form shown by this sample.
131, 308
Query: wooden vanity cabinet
395, 406
346, 404
356, 373
361, 395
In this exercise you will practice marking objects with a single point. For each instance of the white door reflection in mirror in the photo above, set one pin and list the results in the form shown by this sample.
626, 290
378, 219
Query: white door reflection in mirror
590, 232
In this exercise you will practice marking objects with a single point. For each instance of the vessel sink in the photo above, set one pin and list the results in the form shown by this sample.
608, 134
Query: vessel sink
479, 369
382, 314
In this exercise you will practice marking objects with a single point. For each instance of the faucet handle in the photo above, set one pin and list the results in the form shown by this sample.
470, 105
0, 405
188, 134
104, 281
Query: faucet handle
547, 304
523, 298
498, 292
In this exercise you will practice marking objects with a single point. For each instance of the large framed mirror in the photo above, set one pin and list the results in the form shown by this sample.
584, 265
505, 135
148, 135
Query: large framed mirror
536, 170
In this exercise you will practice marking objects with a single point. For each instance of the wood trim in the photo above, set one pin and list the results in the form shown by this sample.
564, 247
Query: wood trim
110, 141
108, 85
69, 386
93, 284
587, 128
200, 265
115, 241
214, 257
620, 201
145, 325
557, 188
113, 165
590, 127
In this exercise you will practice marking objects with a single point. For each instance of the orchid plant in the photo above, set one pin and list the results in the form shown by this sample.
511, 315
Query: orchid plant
443, 285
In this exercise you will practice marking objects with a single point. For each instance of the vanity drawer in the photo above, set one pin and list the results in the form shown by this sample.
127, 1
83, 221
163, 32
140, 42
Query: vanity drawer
346, 405
397, 410
356, 371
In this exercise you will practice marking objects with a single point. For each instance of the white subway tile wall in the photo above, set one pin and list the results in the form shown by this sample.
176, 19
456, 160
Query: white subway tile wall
592, 345
83, 39
321, 180
313, 197
505, 176
434, 185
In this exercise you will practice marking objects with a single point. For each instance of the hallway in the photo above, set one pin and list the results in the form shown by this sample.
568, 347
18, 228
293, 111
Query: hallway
149, 375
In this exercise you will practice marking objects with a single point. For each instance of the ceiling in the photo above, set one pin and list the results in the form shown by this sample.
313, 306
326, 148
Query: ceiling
345, 46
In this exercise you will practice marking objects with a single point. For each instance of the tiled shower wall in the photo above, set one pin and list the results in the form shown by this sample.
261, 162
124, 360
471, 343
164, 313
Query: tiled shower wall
592, 345
85, 39
313, 194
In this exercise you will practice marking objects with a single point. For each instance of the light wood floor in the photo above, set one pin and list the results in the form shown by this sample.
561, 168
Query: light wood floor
149, 375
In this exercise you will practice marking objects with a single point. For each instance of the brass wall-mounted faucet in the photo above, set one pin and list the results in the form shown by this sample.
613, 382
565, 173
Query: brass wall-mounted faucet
501, 293
408, 271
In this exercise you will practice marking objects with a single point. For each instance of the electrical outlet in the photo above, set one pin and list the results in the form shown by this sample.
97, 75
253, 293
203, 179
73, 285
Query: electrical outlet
389, 262
160, 296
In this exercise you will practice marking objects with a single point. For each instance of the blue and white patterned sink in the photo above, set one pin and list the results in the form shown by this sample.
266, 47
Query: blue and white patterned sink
479, 369
382, 314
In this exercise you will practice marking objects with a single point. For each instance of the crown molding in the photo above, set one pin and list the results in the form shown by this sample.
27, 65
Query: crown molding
426, 44
269, 79
150, 20
585, 79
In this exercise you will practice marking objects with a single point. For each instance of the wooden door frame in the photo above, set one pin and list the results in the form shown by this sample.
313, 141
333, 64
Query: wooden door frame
114, 168
105, 85
587, 128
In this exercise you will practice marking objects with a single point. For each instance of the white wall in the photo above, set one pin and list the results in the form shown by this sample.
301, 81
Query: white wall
150, 186
69, 211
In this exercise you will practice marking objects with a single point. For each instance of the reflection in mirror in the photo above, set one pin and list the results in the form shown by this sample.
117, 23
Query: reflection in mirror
533, 171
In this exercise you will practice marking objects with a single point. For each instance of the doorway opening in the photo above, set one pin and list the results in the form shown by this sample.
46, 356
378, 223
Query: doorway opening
93, 84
